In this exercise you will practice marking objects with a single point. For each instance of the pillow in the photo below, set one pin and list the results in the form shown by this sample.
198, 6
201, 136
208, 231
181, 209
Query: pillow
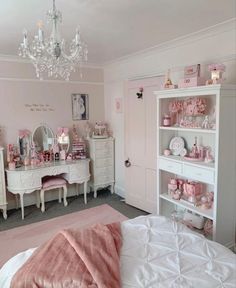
53, 181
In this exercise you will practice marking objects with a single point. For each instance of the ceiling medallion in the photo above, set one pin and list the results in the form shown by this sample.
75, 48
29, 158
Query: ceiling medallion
48, 55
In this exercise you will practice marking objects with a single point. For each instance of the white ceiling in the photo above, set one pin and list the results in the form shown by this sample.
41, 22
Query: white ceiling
113, 28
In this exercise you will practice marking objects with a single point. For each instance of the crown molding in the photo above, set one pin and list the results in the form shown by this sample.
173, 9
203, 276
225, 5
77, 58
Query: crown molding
174, 69
18, 59
229, 25
50, 81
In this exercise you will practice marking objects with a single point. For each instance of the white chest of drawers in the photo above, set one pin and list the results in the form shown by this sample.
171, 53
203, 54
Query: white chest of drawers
3, 201
101, 153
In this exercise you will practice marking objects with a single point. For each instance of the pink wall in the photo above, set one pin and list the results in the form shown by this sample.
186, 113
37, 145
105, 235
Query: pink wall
18, 88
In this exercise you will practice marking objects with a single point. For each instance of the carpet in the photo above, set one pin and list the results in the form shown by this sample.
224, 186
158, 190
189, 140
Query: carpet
19, 239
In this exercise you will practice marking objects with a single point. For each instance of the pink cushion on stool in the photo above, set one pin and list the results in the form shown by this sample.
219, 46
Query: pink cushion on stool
53, 181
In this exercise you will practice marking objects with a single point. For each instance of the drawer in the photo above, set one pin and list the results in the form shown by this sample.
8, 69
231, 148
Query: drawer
198, 173
104, 171
105, 145
104, 162
170, 166
102, 153
98, 180
79, 171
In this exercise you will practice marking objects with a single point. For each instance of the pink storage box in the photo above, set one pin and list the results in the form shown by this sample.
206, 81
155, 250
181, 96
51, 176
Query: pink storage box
191, 82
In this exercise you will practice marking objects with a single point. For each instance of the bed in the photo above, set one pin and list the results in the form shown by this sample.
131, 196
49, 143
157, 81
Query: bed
157, 252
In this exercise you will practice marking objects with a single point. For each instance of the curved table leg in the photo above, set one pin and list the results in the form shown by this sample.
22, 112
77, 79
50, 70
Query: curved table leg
42, 200
95, 192
65, 195
22, 206
112, 188
4, 212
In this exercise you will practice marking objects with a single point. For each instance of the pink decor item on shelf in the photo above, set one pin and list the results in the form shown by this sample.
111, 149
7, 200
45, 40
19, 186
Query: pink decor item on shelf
207, 200
192, 191
191, 77
216, 73
195, 106
166, 120
191, 82
192, 71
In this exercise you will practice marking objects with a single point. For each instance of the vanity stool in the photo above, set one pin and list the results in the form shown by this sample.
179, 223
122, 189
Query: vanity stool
53, 182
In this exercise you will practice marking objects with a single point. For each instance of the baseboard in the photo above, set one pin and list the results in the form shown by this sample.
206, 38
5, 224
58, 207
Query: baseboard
120, 191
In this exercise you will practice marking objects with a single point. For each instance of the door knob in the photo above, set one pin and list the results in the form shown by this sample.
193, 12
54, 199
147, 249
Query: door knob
127, 163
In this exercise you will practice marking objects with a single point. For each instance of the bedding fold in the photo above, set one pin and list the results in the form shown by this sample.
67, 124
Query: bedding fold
75, 258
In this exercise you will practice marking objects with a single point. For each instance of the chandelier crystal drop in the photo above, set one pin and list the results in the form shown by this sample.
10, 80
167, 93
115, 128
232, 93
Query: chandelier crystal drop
49, 55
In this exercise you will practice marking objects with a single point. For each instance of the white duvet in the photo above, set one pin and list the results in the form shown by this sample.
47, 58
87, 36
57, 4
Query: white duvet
157, 252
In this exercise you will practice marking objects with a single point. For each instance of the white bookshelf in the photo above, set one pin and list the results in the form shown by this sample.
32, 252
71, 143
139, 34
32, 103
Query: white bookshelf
220, 176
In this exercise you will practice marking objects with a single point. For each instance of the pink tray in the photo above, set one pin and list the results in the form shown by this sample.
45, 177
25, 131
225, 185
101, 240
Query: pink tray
192, 159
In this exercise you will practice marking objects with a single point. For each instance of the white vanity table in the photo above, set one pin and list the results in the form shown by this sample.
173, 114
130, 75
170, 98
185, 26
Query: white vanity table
27, 179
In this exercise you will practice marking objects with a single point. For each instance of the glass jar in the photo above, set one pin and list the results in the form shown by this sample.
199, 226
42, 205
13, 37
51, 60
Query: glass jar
166, 120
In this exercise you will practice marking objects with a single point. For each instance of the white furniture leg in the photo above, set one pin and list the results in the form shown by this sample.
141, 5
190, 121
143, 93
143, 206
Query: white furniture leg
22, 206
85, 192
112, 188
4, 213
65, 195
95, 192
59, 195
42, 200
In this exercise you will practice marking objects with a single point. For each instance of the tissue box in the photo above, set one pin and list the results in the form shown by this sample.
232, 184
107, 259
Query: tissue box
191, 82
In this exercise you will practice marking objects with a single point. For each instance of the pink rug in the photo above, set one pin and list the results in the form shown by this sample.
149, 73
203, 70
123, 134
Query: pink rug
19, 239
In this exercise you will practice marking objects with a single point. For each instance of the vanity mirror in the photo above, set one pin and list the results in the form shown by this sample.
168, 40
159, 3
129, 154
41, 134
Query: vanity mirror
43, 138
24, 143
63, 138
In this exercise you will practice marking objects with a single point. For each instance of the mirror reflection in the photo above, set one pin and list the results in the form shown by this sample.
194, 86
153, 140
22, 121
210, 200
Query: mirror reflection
43, 138
24, 142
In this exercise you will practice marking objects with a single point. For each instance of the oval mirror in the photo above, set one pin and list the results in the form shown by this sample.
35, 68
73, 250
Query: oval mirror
24, 143
43, 138
63, 138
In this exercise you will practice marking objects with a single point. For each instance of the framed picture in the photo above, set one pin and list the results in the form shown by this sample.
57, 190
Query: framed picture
80, 106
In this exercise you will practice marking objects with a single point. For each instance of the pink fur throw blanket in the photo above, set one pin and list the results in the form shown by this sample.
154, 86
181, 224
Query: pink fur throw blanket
75, 258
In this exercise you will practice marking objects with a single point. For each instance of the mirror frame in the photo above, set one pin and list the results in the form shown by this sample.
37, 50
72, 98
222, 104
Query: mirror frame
50, 129
28, 136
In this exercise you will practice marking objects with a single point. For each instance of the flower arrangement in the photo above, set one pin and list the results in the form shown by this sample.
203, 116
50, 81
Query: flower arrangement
176, 106
194, 106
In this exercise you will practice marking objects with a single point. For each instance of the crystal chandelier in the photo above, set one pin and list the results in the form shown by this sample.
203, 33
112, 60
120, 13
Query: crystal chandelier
49, 55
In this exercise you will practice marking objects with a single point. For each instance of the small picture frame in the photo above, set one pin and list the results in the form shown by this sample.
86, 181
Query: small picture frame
80, 106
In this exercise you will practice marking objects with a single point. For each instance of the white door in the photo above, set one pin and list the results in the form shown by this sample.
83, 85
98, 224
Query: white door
140, 144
